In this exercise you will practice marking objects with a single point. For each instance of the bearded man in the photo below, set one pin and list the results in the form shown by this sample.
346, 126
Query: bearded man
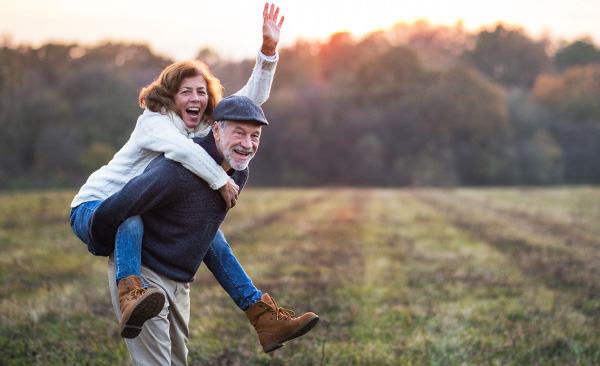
181, 215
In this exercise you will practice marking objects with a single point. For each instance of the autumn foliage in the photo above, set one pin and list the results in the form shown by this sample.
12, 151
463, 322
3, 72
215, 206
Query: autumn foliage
414, 105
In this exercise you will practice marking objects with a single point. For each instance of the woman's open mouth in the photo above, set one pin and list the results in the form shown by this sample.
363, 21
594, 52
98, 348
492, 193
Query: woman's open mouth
193, 112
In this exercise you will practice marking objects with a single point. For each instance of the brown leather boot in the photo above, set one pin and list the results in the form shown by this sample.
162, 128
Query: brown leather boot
276, 325
137, 305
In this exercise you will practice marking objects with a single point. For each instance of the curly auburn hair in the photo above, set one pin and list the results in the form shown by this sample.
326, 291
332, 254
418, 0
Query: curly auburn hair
160, 94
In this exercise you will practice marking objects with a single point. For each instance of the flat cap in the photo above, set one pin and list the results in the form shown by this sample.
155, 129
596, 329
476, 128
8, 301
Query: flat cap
239, 108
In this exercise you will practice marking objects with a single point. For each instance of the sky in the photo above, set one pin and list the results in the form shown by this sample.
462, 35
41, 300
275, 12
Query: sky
180, 28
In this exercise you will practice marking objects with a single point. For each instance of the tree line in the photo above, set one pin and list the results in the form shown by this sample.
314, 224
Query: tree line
413, 105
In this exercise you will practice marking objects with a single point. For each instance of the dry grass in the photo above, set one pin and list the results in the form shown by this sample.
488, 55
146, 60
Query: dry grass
398, 277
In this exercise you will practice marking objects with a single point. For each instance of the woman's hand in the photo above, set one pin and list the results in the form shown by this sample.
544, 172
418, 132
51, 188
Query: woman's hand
230, 193
271, 29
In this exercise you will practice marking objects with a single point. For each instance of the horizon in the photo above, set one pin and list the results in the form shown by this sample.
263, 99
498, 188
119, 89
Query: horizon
236, 34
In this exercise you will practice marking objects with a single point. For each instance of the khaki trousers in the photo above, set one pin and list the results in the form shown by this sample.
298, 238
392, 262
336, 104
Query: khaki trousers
163, 340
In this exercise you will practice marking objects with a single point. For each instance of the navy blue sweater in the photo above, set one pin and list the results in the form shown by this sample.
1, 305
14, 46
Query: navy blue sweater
181, 214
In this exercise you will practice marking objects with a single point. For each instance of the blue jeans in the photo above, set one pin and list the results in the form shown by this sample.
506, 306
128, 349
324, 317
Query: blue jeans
128, 250
229, 273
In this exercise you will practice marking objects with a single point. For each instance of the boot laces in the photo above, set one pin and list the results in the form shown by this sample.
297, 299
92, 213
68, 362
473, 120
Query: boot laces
282, 313
138, 292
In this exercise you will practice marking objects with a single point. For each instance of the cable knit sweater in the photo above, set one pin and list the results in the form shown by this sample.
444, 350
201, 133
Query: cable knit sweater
181, 215
157, 133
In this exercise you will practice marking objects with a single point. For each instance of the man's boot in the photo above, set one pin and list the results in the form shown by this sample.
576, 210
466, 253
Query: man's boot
137, 305
276, 325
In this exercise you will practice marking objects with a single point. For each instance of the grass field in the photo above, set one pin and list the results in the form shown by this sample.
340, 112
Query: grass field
398, 277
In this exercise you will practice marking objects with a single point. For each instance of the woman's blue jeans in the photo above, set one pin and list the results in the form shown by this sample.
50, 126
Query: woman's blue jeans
128, 255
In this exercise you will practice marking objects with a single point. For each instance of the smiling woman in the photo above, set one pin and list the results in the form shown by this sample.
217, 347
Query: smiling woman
187, 88
191, 100
178, 105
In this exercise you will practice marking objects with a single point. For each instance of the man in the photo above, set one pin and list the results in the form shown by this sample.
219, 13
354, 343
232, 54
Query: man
181, 215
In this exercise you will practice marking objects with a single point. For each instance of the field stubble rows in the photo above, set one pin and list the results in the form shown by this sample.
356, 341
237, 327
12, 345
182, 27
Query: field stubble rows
398, 276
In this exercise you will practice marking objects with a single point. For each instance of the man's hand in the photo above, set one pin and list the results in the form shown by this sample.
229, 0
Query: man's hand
271, 29
230, 193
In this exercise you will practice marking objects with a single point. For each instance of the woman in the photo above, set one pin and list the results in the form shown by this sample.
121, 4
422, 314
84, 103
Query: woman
166, 126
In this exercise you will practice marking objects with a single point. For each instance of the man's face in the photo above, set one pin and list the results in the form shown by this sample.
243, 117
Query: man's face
237, 142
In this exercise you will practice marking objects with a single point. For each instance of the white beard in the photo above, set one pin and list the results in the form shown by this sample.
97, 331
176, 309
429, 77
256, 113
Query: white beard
228, 156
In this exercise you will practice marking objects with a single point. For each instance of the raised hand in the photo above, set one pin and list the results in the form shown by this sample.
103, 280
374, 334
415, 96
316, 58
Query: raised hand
271, 29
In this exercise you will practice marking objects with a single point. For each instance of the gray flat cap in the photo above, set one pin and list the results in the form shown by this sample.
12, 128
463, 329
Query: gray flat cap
239, 108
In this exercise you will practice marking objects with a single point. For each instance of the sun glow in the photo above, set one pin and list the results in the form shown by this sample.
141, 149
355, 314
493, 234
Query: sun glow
232, 28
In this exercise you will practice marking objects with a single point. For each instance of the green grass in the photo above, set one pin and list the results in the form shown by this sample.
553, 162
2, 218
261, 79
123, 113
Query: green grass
397, 276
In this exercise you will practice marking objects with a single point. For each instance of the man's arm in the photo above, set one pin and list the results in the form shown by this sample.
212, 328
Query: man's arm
258, 86
152, 189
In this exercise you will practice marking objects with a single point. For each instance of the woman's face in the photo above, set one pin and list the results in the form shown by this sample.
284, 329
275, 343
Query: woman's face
191, 100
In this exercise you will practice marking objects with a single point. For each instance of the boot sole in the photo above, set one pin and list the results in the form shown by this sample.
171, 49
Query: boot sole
300, 331
149, 307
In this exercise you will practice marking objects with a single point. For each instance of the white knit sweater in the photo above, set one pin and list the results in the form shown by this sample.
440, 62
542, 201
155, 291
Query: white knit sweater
157, 133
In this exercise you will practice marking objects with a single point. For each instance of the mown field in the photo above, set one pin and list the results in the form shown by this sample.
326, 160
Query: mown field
398, 277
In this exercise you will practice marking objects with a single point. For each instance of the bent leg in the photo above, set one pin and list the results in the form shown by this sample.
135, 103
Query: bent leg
128, 248
80, 219
80, 224
229, 273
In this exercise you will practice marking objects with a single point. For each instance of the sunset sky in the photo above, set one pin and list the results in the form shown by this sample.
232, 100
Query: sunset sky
180, 28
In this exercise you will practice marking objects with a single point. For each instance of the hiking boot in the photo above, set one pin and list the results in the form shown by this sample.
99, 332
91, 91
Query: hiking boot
276, 325
137, 305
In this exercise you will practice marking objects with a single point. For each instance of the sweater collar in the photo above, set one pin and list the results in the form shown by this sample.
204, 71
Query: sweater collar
185, 130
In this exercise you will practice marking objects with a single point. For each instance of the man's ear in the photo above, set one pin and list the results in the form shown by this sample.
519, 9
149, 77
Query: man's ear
217, 131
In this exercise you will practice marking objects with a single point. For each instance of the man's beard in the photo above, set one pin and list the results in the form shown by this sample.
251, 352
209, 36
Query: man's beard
228, 156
